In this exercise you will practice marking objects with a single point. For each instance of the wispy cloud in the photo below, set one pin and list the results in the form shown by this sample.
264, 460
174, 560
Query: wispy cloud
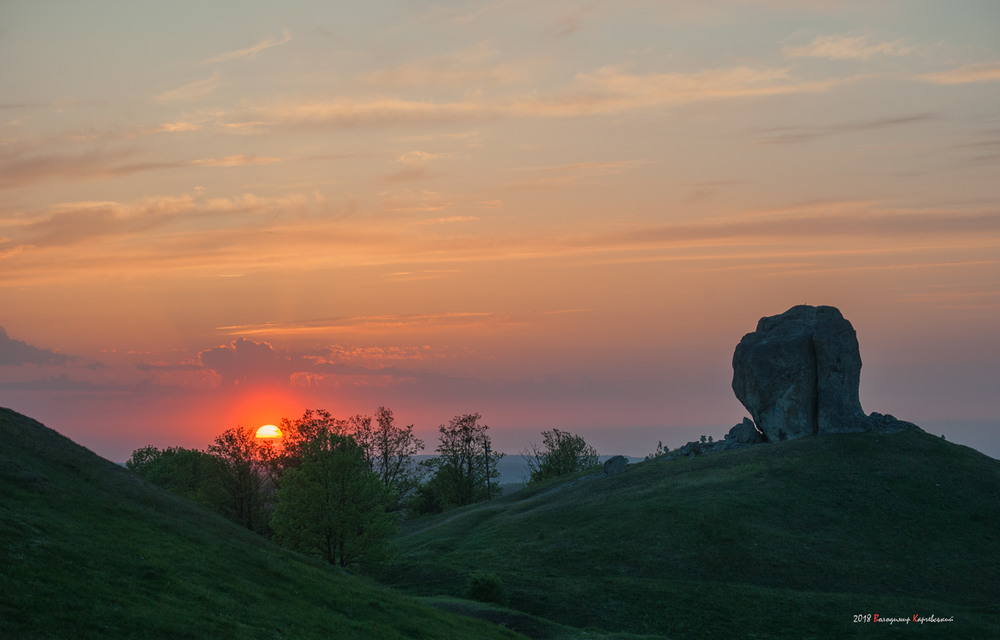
568, 175
786, 135
977, 299
75, 222
235, 161
448, 220
369, 324
423, 274
191, 90
608, 90
251, 52
20, 169
832, 220
17, 353
178, 126
414, 201
970, 73
346, 113
612, 89
379, 353
220, 236
847, 47
463, 69
571, 22
415, 165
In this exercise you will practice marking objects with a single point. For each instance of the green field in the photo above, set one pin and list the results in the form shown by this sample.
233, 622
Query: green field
787, 540
87, 550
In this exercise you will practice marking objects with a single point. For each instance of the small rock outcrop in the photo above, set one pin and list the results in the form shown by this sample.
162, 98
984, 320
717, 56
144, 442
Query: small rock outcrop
745, 433
615, 465
798, 374
886, 423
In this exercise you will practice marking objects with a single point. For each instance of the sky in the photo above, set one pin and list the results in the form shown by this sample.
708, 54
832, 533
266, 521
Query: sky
556, 214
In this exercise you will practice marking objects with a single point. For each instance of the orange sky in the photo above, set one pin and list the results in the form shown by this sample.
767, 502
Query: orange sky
559, 216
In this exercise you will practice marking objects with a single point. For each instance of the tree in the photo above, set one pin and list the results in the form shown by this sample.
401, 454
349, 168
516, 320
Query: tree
389, 451
295, 433
190, 473
660, 451
466, 468
142, 459
246, 474
332, 504
561, 453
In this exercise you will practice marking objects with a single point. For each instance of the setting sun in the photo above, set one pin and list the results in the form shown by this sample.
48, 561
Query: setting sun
269, 431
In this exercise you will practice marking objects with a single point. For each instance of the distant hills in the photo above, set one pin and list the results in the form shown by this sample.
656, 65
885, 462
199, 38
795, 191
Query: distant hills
786, 540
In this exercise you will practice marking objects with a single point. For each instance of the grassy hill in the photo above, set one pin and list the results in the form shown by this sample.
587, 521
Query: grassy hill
787, 540
87, 550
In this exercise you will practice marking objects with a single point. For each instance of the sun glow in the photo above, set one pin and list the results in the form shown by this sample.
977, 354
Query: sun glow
269, 431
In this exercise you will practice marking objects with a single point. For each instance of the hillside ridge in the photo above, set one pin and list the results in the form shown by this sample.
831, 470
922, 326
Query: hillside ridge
88, 550
826, 525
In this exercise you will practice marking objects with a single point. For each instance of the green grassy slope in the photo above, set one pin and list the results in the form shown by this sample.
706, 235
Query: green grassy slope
783, 540
88, 550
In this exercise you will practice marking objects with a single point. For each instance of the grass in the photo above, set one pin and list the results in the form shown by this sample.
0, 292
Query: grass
788, 540
87, 550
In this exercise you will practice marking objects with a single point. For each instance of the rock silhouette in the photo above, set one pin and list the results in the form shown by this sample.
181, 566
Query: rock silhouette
798, 374
615, 465
745, 433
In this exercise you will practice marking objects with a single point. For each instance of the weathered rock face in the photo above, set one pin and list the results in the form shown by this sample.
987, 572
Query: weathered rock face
745, 433
615, 465
798, 374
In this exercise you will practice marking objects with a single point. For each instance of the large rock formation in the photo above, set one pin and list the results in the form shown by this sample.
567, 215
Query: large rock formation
798, 374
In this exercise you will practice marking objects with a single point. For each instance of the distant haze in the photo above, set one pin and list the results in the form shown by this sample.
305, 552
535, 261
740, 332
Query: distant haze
555, 214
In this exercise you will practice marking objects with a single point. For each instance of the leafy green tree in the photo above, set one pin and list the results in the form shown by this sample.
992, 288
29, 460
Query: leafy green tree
247, 475
333, 504
190, 473
142, 459
297, 433
389, 451
465, 470
561, 453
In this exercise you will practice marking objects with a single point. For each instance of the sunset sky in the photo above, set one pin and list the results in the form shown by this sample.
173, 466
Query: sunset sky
557, 214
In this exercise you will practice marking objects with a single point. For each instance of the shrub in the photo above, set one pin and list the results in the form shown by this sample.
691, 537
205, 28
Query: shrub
560, 454
486, 587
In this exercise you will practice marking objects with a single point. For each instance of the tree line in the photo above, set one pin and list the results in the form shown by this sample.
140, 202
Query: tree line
339, 487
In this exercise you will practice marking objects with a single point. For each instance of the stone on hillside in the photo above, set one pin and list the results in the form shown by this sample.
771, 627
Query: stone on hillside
615, 465
798, 374
689, 450
888, 423
745, 433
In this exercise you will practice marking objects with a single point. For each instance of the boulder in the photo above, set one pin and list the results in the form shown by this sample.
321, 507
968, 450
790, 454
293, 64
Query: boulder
798, 374
745, 433
615, 465
689, 450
